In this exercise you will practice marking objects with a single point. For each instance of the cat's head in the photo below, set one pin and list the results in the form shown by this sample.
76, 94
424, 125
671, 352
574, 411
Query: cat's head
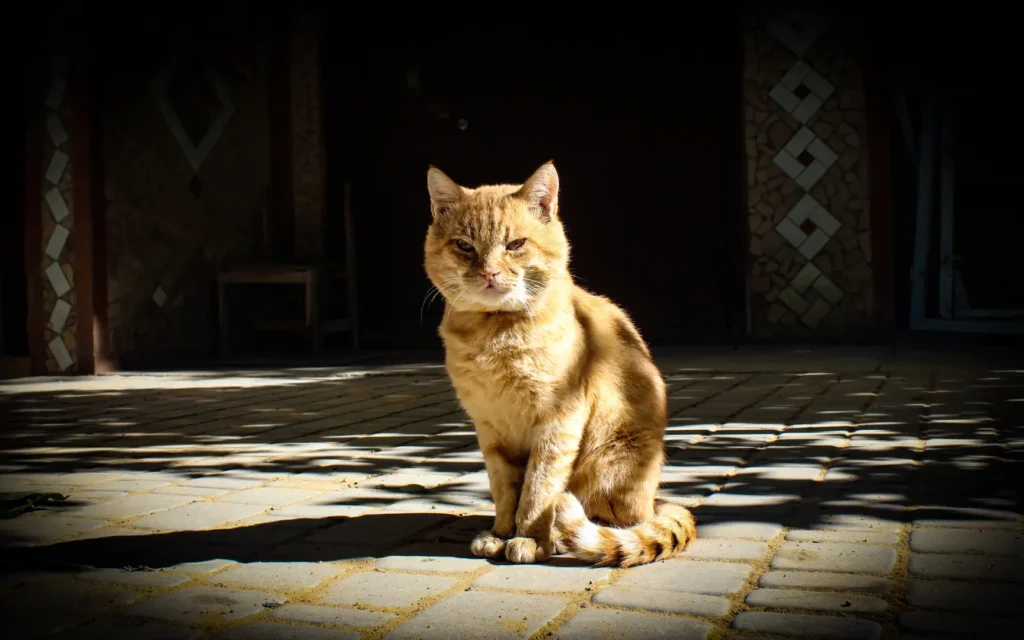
495, 247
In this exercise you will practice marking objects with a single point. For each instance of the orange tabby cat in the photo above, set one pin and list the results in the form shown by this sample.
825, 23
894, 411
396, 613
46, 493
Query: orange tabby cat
569, 408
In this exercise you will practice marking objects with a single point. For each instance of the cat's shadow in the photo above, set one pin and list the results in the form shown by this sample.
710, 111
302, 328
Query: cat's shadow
368, 536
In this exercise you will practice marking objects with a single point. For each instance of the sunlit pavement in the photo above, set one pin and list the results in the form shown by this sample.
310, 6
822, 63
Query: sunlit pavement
841, 494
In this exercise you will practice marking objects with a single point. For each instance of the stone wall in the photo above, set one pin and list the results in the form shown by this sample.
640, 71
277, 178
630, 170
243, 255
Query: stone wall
307, 136
810, 273
186, 169
58, 220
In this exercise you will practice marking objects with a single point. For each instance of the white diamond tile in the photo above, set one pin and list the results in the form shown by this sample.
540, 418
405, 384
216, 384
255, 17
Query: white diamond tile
828, 290
58, 207
802, 209
791, 232
56, 130
818, 85
59, 315
58, 163
61, 354
820, 151
805, 277
789, 165
814, 172
56, 92
824, 221
795, 75
798, 29
159, 296
786, 98
816, 313
57, 279
798, 143
810, 105
194, 154
793, 300
815, 242
56, 242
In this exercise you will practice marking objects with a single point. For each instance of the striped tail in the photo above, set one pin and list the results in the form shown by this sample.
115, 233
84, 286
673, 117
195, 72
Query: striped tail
668, 533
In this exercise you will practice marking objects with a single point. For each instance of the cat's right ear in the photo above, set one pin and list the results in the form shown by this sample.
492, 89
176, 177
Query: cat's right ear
444, 192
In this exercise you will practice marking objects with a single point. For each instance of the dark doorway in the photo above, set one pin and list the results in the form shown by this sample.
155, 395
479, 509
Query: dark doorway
14, 348
646, 134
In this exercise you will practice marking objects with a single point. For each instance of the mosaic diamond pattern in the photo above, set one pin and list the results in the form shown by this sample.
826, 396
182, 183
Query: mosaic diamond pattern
55, 170
805, 158
58, 239
808, 226
802, 92
798, 30
195, 152
60, 353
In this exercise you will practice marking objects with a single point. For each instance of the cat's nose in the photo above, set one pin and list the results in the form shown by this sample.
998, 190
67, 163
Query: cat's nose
489, 276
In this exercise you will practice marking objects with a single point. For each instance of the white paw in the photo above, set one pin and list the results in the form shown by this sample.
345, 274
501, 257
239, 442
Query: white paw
526, 551
488, 545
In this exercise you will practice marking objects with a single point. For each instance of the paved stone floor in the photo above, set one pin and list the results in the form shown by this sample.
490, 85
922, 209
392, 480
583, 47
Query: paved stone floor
840, 494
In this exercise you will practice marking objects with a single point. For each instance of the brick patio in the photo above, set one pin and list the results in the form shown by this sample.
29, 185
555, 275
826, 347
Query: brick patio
840, 493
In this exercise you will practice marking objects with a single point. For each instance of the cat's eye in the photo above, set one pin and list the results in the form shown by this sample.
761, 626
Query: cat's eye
515, 245
464, 246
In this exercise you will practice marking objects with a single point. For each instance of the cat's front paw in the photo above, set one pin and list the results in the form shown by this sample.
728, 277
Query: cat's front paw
488, 545
526, 551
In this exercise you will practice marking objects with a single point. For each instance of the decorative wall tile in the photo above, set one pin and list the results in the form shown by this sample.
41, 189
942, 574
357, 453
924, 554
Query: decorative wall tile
58, 239
55, 93
56, 130
195, 152
801, 92
798, 30
159, 296
55, 169
59, 316
61, 354
58, 207
58, 280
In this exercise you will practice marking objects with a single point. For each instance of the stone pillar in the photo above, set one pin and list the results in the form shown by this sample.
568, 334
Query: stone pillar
807, 176
307, 136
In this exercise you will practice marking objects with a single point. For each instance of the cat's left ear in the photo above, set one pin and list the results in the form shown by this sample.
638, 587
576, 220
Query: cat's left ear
541, 191
444, 192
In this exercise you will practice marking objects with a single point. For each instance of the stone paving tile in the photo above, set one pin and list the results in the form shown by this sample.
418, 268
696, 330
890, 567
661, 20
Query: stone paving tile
385, 589
193, 605
336, 616
41, 529
542, 577
850, 535
272, 631
277, 575
825, 580
124, 629
967, 567
267, 496
661, 601
74, 596
965, 596
133, 578
130, 485
322, 506
816, 600
509, 615
224, 482
739, 530
376, 530
628, 625
198, 516
724, 550
827, 556
188, 490
203, 567
1001, 543
433, 558
131, 506
710, 578
807, 626
29, 624
958, 624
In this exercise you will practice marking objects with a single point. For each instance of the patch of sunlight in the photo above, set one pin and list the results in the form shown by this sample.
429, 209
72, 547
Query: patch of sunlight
828, 412
147, 382
981, 420
814, 373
